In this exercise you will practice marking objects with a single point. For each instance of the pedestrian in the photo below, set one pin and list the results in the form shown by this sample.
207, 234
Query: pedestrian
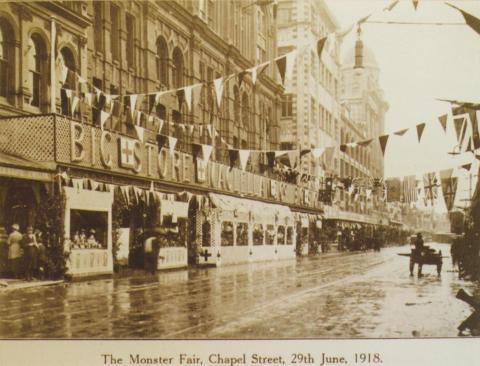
15, 251
31, 252
41, 257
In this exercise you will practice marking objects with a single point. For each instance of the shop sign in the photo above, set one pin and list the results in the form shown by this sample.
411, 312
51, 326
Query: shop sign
105, 150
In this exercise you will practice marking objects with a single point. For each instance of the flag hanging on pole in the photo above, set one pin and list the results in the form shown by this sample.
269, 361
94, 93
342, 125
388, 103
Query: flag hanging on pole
409, 189
449, 187
430, 186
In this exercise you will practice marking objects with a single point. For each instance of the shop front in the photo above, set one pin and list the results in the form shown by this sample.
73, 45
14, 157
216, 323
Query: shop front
88, 232
237, 230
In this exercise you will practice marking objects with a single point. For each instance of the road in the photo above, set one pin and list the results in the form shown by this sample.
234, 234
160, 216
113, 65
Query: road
337, 295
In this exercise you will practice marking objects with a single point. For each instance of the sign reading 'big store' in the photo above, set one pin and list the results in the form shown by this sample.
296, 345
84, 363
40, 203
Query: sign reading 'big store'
109, 151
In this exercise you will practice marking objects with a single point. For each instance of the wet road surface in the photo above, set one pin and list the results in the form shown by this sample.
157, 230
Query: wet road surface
338, 295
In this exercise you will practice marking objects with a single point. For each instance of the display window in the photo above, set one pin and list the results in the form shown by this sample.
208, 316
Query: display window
289, 235
258, 234
206, 234
88, 229
304, 235
270, 235
226, 236
242, 234
281, 235
173, 234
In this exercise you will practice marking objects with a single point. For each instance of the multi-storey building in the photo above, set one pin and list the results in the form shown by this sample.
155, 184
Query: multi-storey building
113, 51
310, 107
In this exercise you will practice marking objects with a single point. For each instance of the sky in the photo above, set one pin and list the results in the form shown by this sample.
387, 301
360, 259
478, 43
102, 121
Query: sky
419, 63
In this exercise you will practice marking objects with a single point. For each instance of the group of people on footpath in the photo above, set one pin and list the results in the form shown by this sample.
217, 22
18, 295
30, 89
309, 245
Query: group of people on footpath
361, 238
26, 254
465, 253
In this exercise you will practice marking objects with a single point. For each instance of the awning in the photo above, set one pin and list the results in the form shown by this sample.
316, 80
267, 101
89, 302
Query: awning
229, 203
17, 167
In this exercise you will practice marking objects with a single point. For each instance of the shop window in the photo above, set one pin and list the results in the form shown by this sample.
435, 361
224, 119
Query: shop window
226, 236
287, 105
270, 235
174, 233
289, 235
242, 234
88, 229
258, 234
206, 234
281, 235
304, 237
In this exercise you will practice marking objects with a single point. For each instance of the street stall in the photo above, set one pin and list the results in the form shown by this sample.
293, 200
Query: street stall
237, 230
88, 231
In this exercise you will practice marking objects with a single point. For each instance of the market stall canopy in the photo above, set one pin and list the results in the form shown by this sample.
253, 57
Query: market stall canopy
17, 167
263, 210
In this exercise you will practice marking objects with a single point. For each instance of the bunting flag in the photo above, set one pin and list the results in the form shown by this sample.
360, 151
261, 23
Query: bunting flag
133, 104
415, 4
257, 71
401, 132
172, 141
140, 132
68, 92
290, 64
282, 67
467, 166
472, 22
103, 118
320, 46
383, 143
443, 121
63, 73
94, 184
152, 186
161, 141
316, 153
209, 130
206, 152
160, 125
77, 183
430, 184
243, 156
449, 187
391, 6
233, 156
409, 189
393, 186
293, 156
470, 134
420, 128
88, 98
241, 76
109, 187
188, 94
365, 142
74, 104
190, 129
218, 85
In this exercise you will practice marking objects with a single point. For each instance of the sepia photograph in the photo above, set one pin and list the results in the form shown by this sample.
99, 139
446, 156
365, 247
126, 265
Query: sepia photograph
240, 170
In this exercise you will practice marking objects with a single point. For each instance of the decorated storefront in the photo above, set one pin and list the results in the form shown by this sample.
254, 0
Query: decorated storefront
237, 230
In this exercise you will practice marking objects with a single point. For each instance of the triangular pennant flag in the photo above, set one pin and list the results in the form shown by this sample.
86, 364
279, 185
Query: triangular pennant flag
69, 93
420, 128
181, 97
282, 67
190, 129
280, 153
293, 157
200, 130
304, 152
103, 118
77, 183
139, 118
401, 132
160, 125
88, 98
449, 187
241, 75
472, 22
94, 184
218, 85
140, 132
172, 141
391, 6
233, 156
243, 157
467, 166
458, 122
133, 103
110, 187
74, 104
415, 3
270, 158
206, 152
320, 45
64, 73
317, 152
383, 142
443, 121
257, 70
209, 130
188, 95
81, 80
365, 142
152, 187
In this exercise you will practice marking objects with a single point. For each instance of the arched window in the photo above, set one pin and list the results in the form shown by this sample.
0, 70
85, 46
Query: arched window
66, 58
236, 105
245, 111
162, 61
178, 71
38, 71
6, 59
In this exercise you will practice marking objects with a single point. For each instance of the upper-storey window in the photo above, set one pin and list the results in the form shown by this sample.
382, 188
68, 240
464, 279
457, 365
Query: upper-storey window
130, 25
162, 61
177, 75
98, 25
287, 105
37, 66
6, 59
115, 31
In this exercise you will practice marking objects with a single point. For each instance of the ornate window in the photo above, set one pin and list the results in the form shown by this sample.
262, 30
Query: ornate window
242, 234
177, 75
245, 111
37, 66
97, 25
270, 235
6, 59
258, 234
162, 61
227, 234
281, 235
